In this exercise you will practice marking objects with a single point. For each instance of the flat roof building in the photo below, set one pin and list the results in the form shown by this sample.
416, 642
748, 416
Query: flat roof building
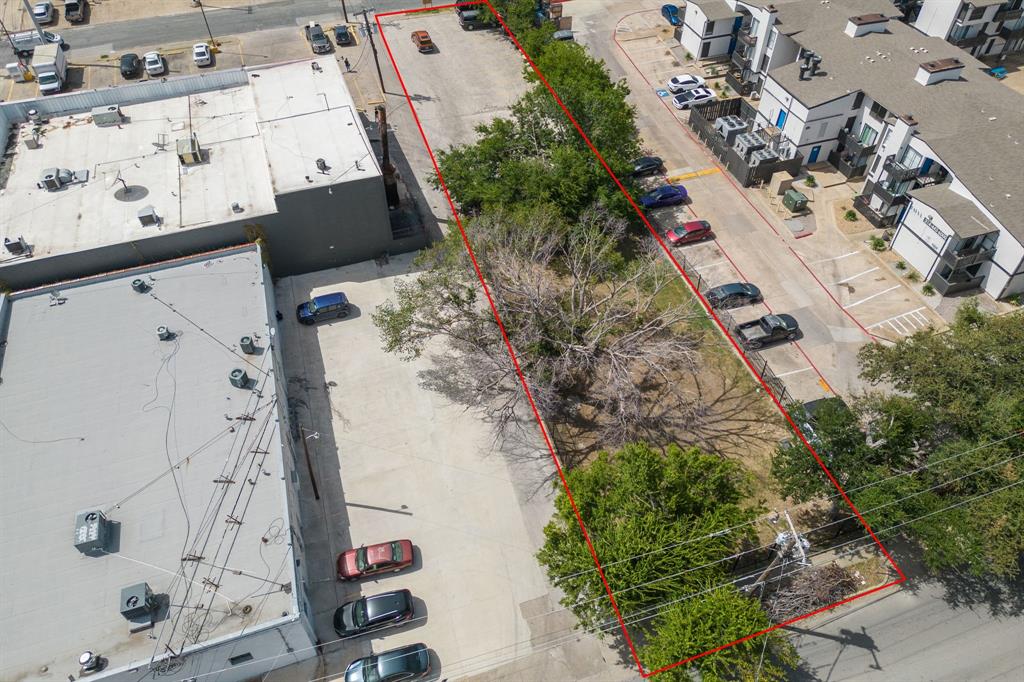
147, 505
282, 155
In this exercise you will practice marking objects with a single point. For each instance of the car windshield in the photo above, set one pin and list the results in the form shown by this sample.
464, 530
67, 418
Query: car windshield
396, 551
370, 673
361, 563
359, 613
48, 78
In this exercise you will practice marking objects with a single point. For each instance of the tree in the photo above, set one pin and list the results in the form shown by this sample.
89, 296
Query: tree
930, 456
652, 517
597, 343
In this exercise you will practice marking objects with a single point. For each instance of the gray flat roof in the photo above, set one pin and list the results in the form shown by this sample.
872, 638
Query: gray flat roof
958, 211
800, 15
261, 140
974, 123
715, 10
96, 410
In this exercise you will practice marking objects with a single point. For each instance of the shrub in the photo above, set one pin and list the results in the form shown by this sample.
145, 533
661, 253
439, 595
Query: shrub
913, 276
851, 216
900, 265
928, 289
877, 243
810, 181
689, 56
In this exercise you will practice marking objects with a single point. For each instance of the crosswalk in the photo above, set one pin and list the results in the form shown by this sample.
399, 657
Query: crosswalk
904, 324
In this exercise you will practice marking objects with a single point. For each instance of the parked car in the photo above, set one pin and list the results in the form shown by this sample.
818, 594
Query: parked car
647, 165
325, 307
405, 663
564, 34
422, 41
767, 329
373, 613
385, 557
154, 63
469, 19
671, 14
43, 12
685, 100
74, 10
130, 65
342, 35
684, 82
318, 40
733, 295
687, 233
666, 195
201, 54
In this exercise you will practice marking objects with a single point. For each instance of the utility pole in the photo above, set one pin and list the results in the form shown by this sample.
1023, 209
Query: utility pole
797, 538
373, 46
39, 30
344, 10
213, 43
387, 168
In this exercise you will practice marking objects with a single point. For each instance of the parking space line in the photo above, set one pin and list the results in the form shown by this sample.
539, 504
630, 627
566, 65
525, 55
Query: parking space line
828, 260
916, 312
865, 300
853, 277
711, 265
795, 371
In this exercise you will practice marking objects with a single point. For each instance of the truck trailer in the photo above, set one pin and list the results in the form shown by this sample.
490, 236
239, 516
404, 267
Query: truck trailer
50, 67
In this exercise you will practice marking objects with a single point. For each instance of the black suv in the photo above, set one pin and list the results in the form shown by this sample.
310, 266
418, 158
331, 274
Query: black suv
734, 295
372, 613
130, 65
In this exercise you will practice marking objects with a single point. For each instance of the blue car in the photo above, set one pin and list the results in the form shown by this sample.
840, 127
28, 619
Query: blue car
666, 195
671, 14
326, 307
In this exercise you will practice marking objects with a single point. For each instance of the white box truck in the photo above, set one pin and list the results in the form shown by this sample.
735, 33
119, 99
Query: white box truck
50, 67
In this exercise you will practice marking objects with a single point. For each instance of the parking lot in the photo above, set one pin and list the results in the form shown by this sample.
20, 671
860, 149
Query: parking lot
394, 460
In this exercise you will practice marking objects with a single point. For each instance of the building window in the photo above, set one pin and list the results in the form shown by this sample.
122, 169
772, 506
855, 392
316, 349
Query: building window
754, 24
868, 135
878, 111
240, 658
911, 158
704, 49
858, 101
771, 38
709, 27
978, 13
822, 129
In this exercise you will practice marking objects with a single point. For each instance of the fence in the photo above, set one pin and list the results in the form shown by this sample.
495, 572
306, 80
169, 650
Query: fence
757, 361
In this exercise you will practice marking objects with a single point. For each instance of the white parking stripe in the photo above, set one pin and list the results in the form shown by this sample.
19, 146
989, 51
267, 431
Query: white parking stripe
827, 260
711, 265
795, 371
896, 317
853, 277
865, 300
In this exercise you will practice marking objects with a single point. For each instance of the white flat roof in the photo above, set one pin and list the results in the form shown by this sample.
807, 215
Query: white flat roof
260, 140
98, 413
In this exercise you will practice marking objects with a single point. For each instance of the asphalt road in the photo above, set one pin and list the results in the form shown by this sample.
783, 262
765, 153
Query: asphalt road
188, 26
912, 635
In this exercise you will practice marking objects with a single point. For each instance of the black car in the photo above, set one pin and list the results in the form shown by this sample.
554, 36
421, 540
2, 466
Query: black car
406, 663
372, 613
767, 329
647, 165
734, 295
341, 35
130, 65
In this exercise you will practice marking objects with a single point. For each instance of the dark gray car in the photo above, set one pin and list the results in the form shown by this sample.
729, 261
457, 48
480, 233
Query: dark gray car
733, 295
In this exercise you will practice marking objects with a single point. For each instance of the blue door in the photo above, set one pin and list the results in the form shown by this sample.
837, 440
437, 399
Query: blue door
926, 166
781, 120
735, 29
814, 154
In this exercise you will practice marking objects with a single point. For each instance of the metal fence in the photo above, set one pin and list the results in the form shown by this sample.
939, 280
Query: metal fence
757, 361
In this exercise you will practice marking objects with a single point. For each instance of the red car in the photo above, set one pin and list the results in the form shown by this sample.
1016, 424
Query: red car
695, 231
386, 557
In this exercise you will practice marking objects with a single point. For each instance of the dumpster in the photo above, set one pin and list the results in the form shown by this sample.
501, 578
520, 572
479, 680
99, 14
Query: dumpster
795, 201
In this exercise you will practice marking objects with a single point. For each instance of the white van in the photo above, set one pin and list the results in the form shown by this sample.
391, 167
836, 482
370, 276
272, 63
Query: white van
25, 42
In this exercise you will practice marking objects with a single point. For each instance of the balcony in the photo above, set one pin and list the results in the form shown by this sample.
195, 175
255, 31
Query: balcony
740, 59
973, 41
956, 282
746, 38
933, 178
1009, 15
889, 197
734, 77
897, 172
967, 257
1011, 34
860, 203
854, 146
849, 165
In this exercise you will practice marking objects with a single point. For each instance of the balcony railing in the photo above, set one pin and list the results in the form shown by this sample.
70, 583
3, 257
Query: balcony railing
746, 38
889, 197
734, 77
930, 179
847, 164
1009, 15
971, 41
967, 257
955, 283
854, 145
898, 172
1011, 33
740, 59
874, 217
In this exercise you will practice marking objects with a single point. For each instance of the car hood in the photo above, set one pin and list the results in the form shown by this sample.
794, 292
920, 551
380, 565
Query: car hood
347, 564
303, 309
344, 617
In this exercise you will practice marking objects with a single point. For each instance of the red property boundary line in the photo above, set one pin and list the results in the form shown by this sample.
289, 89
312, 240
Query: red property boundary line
526, 388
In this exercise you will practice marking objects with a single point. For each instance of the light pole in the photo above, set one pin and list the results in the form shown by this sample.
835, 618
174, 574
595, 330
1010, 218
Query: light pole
344, 10
373, 46
213, 43
39, 30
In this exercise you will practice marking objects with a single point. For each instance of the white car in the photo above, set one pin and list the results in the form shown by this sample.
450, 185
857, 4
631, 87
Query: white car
43, 12
201, 54
154, 63
685, 100
684, 82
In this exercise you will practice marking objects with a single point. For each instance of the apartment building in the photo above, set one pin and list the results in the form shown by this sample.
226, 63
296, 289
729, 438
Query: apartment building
984, 28
937, 140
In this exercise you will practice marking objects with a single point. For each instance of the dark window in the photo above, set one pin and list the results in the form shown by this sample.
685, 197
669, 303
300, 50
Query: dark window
704, 49
858, 100
240, 658
978, 13
764, 64
850, 122
878, 111
709, 27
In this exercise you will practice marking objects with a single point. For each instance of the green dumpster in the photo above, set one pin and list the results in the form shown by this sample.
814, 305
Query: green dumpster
795, 201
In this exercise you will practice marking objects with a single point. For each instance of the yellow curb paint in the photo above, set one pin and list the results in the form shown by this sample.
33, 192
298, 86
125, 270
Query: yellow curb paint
694, 174
824, 385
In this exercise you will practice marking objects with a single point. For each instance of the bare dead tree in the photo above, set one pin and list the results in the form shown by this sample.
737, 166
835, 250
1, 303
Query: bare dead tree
811, 589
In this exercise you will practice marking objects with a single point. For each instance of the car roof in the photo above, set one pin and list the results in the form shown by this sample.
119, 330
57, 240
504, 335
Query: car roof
735, 287
399, 660
330, 299
387, 603
694, 225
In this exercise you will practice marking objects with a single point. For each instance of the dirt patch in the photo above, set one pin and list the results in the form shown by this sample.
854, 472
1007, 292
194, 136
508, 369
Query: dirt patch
858, 227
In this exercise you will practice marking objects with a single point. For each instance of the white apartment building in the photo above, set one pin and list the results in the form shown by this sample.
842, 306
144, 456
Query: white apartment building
985, 28
938, 140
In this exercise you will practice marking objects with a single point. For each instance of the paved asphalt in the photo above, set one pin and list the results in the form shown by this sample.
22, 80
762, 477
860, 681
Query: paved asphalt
911, 635
188, 26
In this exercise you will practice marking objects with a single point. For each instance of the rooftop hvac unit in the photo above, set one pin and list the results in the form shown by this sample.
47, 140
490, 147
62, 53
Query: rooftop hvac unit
730, 127
148, 216
189, 152
747, 143
238, 378
140, 286
55, 178
92, 529
759, 156
17, 247
247, 346
109, 115
164, 334
139, 606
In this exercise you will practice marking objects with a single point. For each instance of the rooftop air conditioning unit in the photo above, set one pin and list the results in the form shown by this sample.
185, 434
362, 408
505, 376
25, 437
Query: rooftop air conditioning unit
92, 530
747, 143
109, 115
189, 152
139, 605
238, 378
759, 156
730, 127
148, 217
55, 178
